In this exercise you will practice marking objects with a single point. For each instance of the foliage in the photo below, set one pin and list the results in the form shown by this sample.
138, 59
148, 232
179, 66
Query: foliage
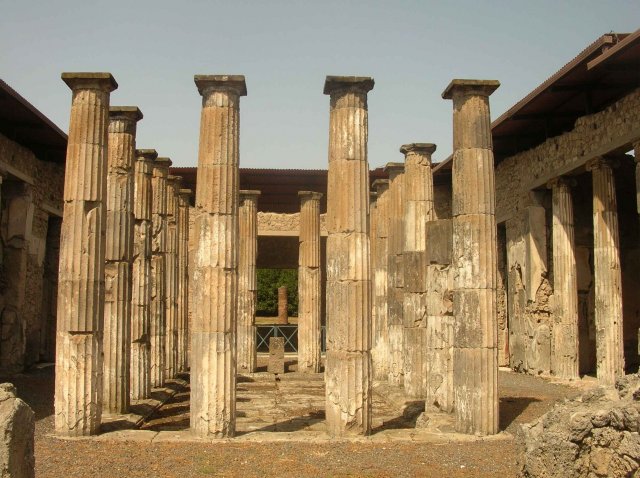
268, 282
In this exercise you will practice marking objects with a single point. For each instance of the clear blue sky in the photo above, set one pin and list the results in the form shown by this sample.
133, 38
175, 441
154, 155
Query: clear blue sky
285, 49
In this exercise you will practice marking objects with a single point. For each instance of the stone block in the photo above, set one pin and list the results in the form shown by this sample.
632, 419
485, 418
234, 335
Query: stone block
439, 241
475, 311
276, 355
348, 256
414, 271
414, 313
474, 242
17, 426
414, 362
348, 315
439, 364
439, 295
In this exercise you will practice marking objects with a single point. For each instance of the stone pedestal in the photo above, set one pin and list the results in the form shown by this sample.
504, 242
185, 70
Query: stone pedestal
183, 279
118, 257
141, 276
607, 275
475, 344
171, 278
348, 357
418, 209
213, 332
309, 284
158, 315
395, 273
379, 263
247, 280
564, 351
78, 387
283, 306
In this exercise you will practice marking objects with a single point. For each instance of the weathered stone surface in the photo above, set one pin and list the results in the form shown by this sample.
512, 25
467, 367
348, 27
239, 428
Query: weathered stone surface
78, 395
171, 277
379, 253
309, 283
276, 355
439, 241
247, 280
636, 153
348, 362
17, 426
439, 363
215, 265
183, 279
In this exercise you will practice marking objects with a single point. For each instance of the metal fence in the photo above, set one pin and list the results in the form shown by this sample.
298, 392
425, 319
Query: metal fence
290, 334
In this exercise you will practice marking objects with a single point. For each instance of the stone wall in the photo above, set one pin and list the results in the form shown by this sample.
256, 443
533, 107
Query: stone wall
273, 223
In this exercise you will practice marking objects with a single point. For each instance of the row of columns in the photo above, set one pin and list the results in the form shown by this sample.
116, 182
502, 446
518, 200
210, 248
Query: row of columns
111, 327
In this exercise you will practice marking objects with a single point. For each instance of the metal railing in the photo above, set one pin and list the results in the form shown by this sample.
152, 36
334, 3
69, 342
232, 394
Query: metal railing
290, 334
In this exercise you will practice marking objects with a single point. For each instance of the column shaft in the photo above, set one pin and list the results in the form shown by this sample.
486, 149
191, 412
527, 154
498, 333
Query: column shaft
171, 278
183, 280
348, 357
379, 261
78, 384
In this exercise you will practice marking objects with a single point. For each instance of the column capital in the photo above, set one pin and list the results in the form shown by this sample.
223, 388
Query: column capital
185, 192
90, 81
146, 154
310, 195
126, 113
561, 181
208, 83
249, 194
380, 185
394, 168
362, 84
173, 177
419, 148
163, 162
470, 88
598, 162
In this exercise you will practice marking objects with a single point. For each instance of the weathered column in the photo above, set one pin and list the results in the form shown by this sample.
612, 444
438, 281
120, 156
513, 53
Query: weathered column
636, 152
171, 278
213, 334
395, 273
183, 279
283, 305
158, 316
475, 332
309, 283
247, 280
118, 256
141, 276
564, 345
78, 395
607, 275
418, 209
348, 357
379, 263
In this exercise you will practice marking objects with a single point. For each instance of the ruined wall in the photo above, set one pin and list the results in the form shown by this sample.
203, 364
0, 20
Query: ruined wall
273, 223
31, 191
523, 209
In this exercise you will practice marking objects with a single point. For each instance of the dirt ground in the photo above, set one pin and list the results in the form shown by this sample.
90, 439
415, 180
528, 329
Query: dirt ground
523, 398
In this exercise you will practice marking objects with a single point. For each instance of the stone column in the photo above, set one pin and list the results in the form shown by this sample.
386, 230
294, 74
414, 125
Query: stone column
158, 317
607, 276
395, 273
183, 279
171, 278
564, 351
283, 305
141, 276
309, 284
247, 280
78, 394
348, 357
379, 262
118, 256
418, 209
213, 333
475, 332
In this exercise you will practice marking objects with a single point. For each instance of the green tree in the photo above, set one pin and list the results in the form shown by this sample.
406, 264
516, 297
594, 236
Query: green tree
268, 282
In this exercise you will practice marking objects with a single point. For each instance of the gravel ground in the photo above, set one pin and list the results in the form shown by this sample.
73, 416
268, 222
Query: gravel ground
523, 398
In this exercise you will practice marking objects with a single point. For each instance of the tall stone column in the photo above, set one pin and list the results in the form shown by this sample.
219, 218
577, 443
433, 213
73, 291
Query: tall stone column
171, 278
395, 273
418, 209
309, 284
158, 316
475, 331
141, 276
78, 389
379, 262
607, 275
213, 333
348, 357
183, 279
247, 280
564, 353
118, 257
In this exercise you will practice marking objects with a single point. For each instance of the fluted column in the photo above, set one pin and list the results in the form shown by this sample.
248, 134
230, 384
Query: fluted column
564, 353
118, 256
379, 263
475, 346
309, 283
183, 279
78, 382
247, 280
158, 316
418, 209
607, 275
141, 276
171, 278
213, 333
395, 273
348, 357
